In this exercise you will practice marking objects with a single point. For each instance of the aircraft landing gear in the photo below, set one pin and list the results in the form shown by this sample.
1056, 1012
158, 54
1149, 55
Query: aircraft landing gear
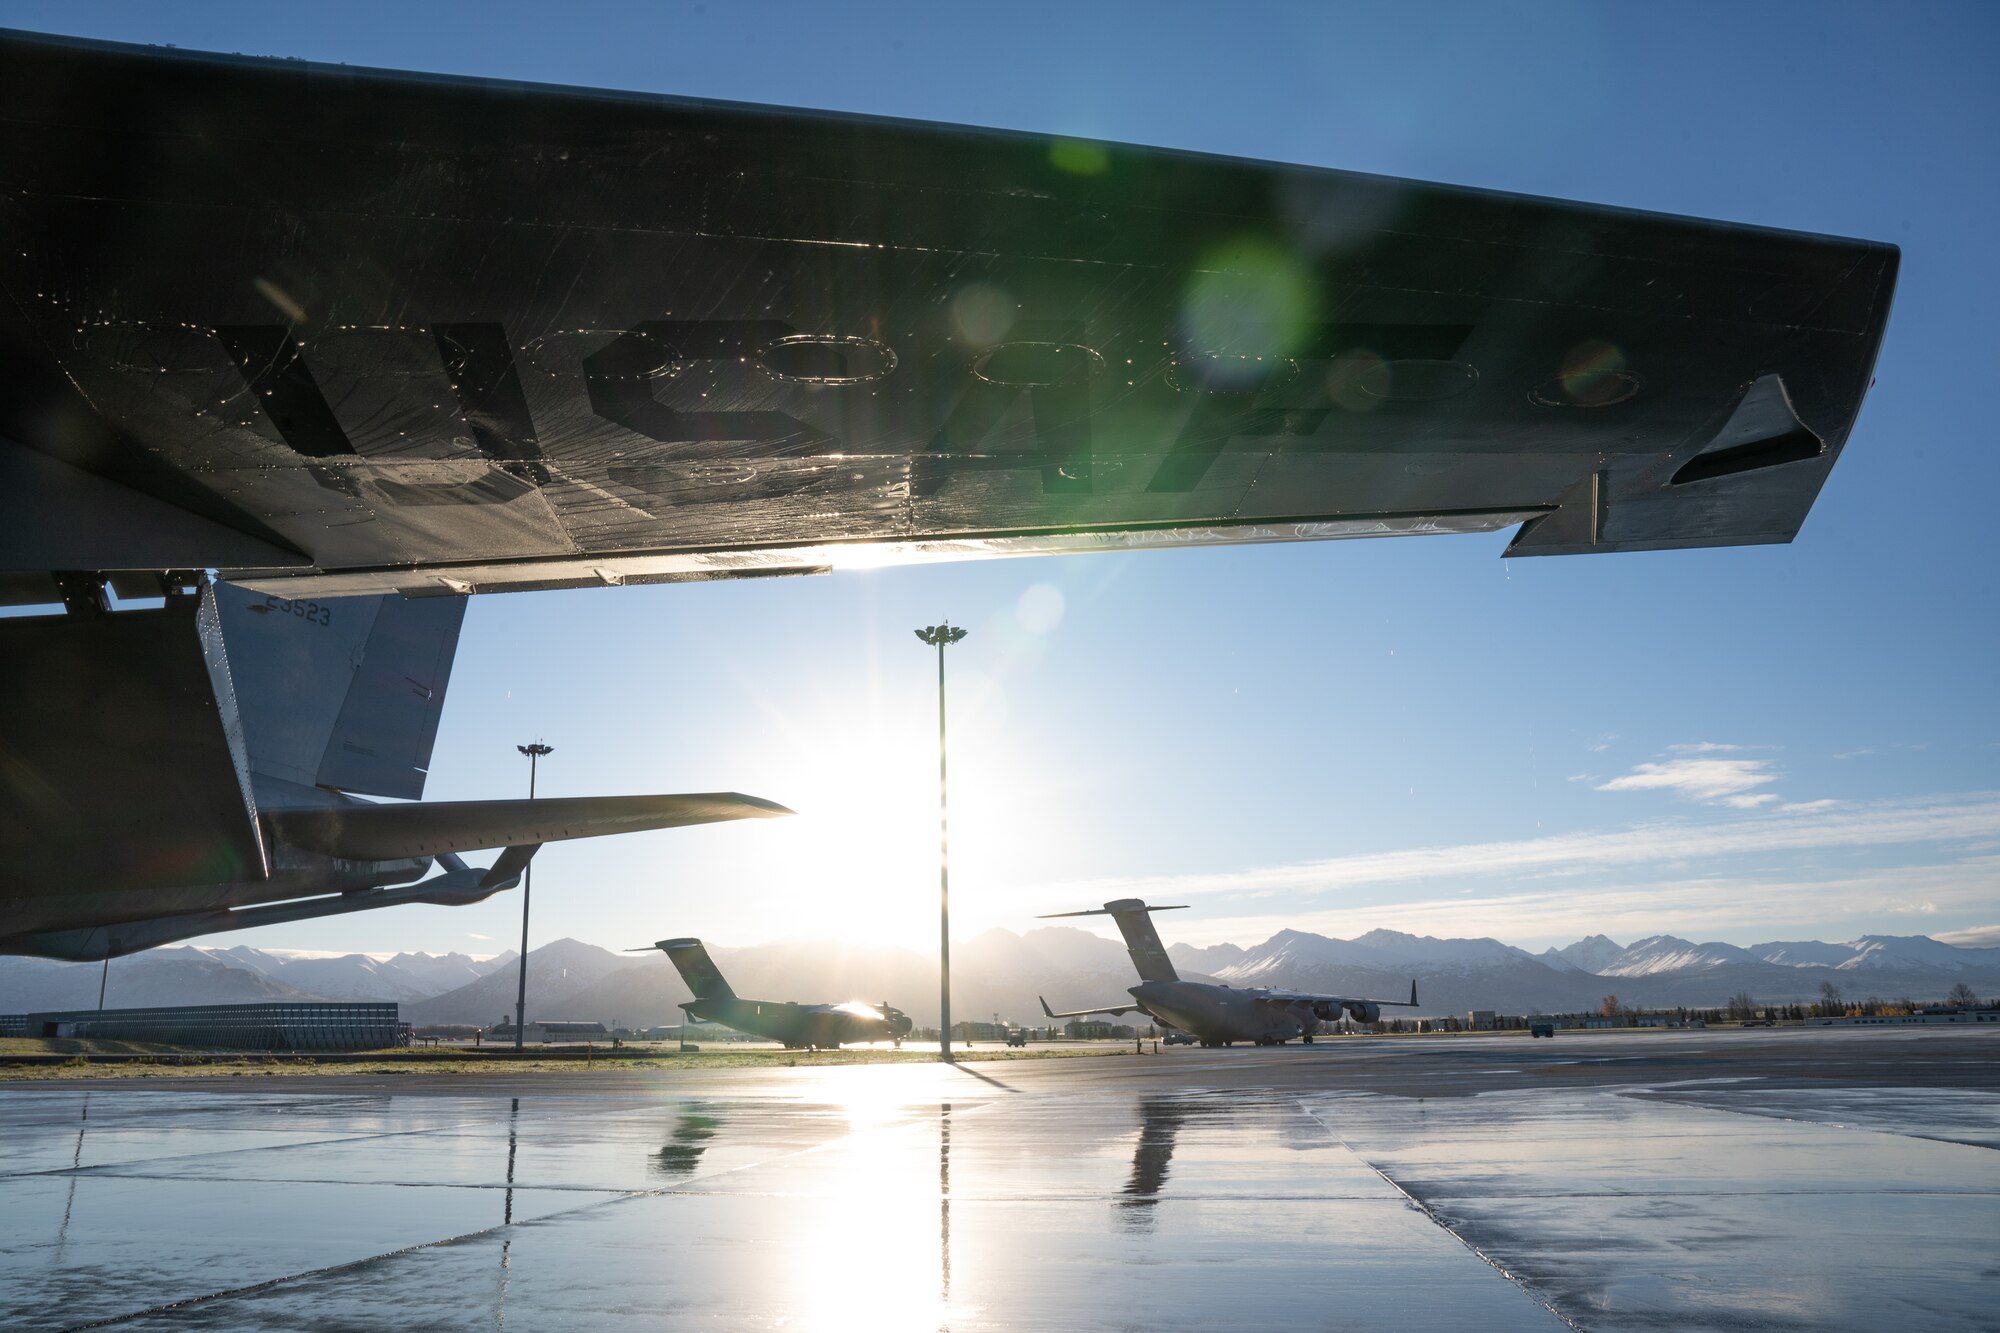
1306, 1039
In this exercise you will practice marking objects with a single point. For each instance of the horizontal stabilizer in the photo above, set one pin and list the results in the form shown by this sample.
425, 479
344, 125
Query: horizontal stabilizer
361, 832
1135, 923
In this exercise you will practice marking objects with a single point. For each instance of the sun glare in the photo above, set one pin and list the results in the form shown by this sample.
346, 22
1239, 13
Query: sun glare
859, 863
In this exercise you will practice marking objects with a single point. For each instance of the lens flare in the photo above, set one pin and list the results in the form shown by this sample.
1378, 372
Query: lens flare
1594, 375
1247, 299
982, 314
1347, 374
1040, 608
1079, 157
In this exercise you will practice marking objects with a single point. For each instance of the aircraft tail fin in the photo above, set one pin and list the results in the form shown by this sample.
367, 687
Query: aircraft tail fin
697, 969
1135, 923
341, 692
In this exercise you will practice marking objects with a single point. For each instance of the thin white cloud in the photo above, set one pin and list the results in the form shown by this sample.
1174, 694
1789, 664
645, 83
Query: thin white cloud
1743, 909
1714, 780
475, 935
1949, 819
1972, 937
1807, 807
1705, 747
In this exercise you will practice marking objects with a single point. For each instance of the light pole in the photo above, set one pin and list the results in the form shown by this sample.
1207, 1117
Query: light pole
534, 753
938, 636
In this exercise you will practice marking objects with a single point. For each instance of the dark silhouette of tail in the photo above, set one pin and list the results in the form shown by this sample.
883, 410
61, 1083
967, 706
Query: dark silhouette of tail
1135, 923
697, 969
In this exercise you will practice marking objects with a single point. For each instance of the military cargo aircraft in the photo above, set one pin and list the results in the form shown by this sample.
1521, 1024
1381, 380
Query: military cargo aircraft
200, 766
822, 1027
308, 353
1215, 1014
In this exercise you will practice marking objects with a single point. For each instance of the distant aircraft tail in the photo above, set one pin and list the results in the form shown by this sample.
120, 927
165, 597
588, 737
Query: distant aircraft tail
697, 969
343, 692
1135, 923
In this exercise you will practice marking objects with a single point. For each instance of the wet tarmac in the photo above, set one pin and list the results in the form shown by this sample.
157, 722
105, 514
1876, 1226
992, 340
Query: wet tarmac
1823, 1179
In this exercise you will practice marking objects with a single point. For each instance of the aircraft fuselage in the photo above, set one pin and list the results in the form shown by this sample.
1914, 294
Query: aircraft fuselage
801, 1026
1219, 1014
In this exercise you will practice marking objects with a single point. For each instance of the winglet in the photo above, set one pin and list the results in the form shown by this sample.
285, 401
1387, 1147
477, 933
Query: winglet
1413, 992
1045, 1007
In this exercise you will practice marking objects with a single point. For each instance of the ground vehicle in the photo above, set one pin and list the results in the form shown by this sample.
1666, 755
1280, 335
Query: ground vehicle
1179, 1038
1017, 1036
1541, 1029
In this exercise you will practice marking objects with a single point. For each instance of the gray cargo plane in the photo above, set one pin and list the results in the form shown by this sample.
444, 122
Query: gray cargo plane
799, 1026
502, 336
200, 766
1215, 1014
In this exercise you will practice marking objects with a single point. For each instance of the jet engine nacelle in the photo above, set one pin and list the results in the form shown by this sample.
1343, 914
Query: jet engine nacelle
1363, 1011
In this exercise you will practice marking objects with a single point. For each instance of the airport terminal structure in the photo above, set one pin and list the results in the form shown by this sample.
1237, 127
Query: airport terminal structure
318, 1026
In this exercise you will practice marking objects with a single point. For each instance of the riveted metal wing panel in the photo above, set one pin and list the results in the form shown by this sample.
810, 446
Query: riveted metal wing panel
425, 334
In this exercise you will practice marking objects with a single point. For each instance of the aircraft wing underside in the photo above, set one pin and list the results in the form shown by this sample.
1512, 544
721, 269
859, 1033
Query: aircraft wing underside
335, 331
1126, 1008
1330, 1006
361, 831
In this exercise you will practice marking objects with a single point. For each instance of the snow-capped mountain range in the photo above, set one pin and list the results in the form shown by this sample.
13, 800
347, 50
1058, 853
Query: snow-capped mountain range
1005, 973
1668, 953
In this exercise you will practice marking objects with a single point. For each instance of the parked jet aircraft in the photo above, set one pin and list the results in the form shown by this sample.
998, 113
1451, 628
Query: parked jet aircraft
1216, 1015
336, 334
799, 1026
232, 729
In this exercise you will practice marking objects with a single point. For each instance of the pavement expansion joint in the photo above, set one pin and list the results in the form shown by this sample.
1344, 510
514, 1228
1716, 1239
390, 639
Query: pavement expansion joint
1436, 1219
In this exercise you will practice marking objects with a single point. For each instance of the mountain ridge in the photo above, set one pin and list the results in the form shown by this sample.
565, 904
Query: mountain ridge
1002, 973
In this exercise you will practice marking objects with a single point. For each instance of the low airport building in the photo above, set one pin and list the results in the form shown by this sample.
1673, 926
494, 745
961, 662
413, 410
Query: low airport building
325, 1026
1927, 1016
1099, 1031
544, 1030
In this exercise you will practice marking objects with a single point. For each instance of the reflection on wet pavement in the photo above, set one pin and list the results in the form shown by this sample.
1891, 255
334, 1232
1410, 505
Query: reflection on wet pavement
682, 1153
1160, 1121
910, 1197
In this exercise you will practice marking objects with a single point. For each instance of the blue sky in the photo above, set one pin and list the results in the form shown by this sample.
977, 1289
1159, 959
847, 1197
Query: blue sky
1767, 743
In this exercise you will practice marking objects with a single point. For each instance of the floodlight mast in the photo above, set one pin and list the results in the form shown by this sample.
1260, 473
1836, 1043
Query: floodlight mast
534, 753
939, 636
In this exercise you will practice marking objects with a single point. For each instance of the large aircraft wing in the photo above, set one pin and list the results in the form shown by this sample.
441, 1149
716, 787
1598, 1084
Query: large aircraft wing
1126, 1008
364, 832
341, 331
1329, 1006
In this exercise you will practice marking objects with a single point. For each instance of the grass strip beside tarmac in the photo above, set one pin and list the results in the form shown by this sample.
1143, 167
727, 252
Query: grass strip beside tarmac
167, 1063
